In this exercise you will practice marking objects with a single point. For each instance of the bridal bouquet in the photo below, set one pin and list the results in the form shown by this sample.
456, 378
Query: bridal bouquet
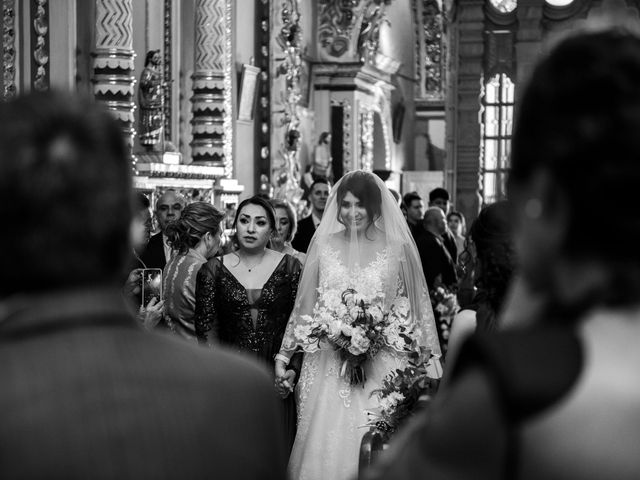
357, 329
401, 391
445, 305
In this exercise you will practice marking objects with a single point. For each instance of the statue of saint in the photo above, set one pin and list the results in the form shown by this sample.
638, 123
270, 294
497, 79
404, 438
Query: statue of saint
150, 93
322, 157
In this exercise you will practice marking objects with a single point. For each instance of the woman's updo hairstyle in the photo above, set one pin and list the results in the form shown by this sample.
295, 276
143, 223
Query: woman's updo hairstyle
196, 220
579, 122
363, 186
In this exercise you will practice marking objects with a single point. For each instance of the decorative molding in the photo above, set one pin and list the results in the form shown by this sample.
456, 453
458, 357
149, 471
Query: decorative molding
262, 117
209, 85
114, 25
288, 64
228, 89
366, 138
40, 44
9, 49
167, 41
431, 57
113, 81
347, 141
337, 21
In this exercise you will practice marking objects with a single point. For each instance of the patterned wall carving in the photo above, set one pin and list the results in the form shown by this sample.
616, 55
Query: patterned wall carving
210, 35
40, 45
167, 65
210, 87
347, 141
431, 48
113, 81
9, 53
337, 20
262, 116
113, 24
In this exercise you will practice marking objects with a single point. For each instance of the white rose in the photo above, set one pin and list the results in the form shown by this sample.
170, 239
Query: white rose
346, 330
376, 313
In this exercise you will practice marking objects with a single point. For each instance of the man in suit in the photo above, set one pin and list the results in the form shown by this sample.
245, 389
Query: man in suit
414, 208
168, 209
437, 264
307, 226
439, 197
85, 392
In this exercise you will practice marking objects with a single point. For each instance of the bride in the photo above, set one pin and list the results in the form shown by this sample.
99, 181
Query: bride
363, 248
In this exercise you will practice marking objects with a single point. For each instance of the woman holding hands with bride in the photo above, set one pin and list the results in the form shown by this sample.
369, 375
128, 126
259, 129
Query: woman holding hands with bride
362, 306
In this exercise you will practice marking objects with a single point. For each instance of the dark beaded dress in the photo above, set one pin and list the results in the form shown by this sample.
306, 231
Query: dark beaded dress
248, 320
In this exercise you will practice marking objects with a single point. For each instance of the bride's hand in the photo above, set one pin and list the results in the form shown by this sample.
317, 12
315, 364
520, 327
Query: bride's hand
285, 383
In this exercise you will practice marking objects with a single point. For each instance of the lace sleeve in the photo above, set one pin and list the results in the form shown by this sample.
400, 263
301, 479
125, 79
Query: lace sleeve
205, 318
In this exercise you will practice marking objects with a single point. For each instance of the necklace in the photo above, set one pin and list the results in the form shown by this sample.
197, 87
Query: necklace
251, 267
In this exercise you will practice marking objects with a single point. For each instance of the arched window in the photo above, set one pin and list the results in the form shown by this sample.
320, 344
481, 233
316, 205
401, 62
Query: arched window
497, 123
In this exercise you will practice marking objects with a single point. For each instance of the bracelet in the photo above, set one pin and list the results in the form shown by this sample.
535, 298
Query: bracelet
283, 358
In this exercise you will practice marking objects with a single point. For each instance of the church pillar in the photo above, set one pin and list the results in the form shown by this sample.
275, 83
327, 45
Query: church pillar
466, 141
113, 80
212, 77
528, 39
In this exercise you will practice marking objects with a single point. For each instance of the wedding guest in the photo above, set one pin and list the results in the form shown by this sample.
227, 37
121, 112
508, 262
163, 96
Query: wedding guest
307, 226
85, 392
244, 298
490, 259
414, 208
439, 197
457, 226
195, 238
558, 399
286, 226
168, 209
438, 266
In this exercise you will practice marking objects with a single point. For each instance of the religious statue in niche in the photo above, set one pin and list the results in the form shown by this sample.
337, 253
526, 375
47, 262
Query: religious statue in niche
150, 99
369, 37
321, 166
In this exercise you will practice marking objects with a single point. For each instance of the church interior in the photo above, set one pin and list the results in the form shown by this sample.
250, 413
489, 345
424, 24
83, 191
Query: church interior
221, 99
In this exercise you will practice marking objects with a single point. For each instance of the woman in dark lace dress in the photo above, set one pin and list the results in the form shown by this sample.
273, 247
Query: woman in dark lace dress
244, 298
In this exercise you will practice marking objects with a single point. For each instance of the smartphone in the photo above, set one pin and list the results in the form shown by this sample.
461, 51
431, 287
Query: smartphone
151, 279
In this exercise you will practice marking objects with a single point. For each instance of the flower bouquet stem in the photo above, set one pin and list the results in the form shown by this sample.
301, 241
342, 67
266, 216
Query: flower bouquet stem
352, 368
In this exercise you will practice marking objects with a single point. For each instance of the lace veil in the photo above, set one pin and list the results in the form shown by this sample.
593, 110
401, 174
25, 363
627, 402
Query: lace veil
382, 265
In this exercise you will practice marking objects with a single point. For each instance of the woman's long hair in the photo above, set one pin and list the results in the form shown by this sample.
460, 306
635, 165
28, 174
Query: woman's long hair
492, 237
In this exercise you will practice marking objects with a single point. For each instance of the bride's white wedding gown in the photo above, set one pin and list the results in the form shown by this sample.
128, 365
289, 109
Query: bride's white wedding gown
331, 412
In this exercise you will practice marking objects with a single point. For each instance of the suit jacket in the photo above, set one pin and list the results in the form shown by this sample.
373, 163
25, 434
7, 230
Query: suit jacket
435, 259
153, 255
449, 242
304, 234
86, 393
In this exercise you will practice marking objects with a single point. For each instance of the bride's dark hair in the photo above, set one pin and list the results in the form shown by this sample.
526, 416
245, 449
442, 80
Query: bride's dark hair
363, 186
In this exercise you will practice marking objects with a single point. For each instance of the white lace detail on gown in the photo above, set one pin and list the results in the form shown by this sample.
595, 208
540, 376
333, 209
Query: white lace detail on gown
331, 412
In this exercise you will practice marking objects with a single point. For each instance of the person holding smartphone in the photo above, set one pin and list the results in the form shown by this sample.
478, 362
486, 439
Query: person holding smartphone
195, 238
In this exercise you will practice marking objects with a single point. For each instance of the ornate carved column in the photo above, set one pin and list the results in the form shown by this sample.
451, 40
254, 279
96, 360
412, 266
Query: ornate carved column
212, 109
528, 39
113, 80
467, 91
9, 49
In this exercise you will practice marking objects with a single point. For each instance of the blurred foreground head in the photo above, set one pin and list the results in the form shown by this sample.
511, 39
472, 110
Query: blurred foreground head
65, 183
576, 170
